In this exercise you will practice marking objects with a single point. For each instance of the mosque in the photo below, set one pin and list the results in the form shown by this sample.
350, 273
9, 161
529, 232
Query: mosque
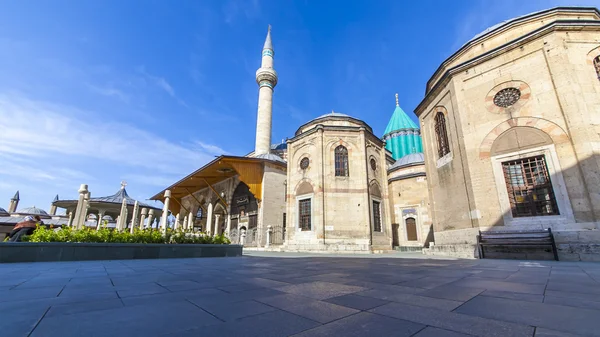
508, 139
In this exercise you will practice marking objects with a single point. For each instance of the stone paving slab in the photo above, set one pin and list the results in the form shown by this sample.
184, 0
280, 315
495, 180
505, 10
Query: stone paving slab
308, 295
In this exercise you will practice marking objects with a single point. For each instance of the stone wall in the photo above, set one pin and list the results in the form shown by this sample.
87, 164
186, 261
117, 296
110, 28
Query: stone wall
341, 206
560, 96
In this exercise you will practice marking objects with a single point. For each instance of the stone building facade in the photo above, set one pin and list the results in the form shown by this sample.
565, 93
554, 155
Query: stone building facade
337, 195
511, 126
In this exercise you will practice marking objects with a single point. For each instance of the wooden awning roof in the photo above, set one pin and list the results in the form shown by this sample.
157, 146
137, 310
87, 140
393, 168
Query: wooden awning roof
250, 171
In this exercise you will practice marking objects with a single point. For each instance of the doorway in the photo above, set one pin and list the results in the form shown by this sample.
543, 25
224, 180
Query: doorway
411, 229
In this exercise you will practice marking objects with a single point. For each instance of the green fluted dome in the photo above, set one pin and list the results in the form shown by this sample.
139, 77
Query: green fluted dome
402, 135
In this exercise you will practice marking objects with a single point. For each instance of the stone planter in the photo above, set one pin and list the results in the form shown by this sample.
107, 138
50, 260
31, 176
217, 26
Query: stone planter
66, 251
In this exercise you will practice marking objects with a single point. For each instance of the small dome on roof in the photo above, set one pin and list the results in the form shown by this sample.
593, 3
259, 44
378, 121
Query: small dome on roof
408, 160
280, 146
3, 212
107, 217
270, 156
331, 114
33, 211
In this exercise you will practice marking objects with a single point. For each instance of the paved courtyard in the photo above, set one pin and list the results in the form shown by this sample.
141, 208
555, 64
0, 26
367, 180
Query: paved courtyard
300, 295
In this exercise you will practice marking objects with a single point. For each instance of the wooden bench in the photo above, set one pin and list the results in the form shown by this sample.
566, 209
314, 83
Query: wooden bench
516, 238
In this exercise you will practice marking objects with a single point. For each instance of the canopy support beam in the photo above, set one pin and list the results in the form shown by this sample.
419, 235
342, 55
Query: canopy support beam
219, 196
198, 201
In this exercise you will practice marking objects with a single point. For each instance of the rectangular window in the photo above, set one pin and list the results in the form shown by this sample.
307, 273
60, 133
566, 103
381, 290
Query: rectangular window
529, 187
304, 214
376, 216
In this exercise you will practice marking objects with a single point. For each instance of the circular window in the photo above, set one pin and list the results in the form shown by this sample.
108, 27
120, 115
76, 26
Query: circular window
373, 164
304, 163
507, 97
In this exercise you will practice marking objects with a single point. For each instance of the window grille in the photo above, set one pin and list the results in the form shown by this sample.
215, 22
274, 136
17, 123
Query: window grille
529, 187
304, 214
441, 134
376, 216
341, 161
597, 66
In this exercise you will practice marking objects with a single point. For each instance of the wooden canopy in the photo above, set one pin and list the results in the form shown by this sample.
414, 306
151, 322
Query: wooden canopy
250, 171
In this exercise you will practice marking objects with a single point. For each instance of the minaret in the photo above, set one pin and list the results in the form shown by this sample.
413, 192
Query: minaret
14, 203
53, 206
266, 77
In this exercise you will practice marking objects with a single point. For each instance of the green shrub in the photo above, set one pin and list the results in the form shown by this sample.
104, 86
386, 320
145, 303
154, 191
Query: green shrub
68, 234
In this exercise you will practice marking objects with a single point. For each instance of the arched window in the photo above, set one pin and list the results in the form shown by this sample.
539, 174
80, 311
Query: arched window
341, 161
441, 134
597, 66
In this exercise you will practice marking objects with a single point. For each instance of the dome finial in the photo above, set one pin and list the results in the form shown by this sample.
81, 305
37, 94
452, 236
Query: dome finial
123, 184
397, 104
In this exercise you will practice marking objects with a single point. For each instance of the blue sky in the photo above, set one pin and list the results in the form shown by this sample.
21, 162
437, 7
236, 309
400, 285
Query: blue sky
147, 91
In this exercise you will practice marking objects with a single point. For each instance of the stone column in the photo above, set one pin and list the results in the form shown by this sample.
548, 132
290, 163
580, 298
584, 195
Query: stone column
217, 224
150, 218
165, 215
134, 216
122, 216
84, 210
228, 230
143, 217
177, 221
209, 217
191, 221
269, 232
70, 222
100, 216
82, 191
184, 224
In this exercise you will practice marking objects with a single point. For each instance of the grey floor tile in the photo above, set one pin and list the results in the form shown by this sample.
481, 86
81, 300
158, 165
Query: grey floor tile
357, 302
33, 293
490, 284
271, 324
320, 311
74, 308
541, 332
422, 301
454, 321
365, 324
435, 332
429, 282
141, 289
229, 311
149, 320
451, 292
572, 287
320, 290
284, 301
581, 296
557, 317
572, 302
514, 296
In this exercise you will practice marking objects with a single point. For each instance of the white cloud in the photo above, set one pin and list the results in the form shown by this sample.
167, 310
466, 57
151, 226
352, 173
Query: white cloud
110, 91
50, 148
212, 149
162, 84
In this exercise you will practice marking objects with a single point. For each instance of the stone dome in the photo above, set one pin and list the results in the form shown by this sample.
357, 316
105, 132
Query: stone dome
107, 218
409, 160
271, 157
331, 114
33, 211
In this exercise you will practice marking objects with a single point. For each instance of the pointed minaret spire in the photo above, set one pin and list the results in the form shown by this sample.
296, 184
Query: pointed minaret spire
53, 206
397, 104
14, 203
266, 77
268, 43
